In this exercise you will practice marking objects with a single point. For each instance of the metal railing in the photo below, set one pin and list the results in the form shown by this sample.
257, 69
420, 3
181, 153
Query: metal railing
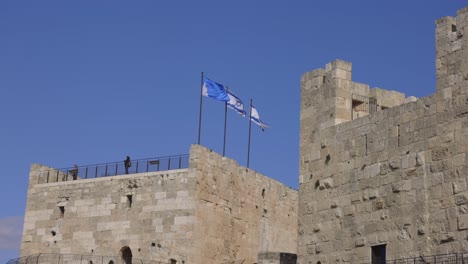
455, 258
114, 168
77, 259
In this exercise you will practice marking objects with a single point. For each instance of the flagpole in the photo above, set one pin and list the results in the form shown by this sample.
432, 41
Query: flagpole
250, 129
225, 122
201, 103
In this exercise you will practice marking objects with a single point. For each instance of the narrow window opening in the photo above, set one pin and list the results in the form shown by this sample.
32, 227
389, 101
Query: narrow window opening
327, 159
153, 244
366, 144
62, 211
398, 131
53, 233
379, 254
263, 193
129, 201
454, 28
173, 261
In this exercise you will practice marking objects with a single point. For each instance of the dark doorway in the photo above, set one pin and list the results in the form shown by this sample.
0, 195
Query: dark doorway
379, 254
126, 255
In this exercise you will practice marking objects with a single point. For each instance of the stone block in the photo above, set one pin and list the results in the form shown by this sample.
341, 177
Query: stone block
439, 153
360, 242
461, 199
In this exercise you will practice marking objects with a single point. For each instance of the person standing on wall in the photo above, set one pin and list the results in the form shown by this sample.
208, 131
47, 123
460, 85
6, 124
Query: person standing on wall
74, 172
128, 164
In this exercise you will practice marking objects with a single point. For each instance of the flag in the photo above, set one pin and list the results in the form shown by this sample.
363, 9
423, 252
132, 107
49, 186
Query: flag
235, 103
214, 90
255, 117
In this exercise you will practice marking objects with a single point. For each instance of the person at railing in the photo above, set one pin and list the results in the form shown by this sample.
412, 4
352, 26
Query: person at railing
74, 172
127, 164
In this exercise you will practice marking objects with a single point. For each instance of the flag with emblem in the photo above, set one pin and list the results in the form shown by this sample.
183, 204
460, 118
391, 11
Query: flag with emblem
235, 103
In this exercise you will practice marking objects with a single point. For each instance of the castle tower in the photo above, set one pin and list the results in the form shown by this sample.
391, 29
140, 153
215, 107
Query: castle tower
383, 177
452, 60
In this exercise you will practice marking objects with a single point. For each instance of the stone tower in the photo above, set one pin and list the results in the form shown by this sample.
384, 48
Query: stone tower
383, 176
212, 211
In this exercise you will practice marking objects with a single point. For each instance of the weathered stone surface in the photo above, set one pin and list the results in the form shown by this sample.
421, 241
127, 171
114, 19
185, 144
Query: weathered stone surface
402, 165
214, 211
463, 222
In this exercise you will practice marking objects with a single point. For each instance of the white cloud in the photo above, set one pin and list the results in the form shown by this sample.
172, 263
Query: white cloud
10, 232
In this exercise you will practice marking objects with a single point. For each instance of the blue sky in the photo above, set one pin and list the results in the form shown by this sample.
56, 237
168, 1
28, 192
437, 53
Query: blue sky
93, 81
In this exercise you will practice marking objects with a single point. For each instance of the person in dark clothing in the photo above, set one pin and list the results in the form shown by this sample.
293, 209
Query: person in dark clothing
74, 172
128, 164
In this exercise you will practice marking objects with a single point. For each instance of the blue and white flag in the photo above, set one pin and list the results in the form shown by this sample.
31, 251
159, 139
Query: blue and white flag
214, 90
235, 103
255, 117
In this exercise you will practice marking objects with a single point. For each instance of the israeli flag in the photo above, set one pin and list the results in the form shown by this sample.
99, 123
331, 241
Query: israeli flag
255, 117
235, 103
214, 90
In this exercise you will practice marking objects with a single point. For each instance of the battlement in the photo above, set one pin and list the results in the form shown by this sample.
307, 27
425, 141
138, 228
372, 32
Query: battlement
332, 97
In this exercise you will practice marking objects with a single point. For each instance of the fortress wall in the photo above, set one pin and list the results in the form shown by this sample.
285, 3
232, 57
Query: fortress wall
396, 177
239, 211
213, 212
99, 220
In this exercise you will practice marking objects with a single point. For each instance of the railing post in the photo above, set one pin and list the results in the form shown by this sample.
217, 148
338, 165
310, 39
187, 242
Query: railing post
48, 172
116, 168
86, 177
95, 175
169, 163
57, 175
147, 165
180, 161
105, 174
136, 170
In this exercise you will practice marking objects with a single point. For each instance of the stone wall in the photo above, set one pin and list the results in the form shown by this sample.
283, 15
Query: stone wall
243, 212
396, 177
152, 213
213, 212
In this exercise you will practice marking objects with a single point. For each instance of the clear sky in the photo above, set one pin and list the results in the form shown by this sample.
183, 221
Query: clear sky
93, 81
